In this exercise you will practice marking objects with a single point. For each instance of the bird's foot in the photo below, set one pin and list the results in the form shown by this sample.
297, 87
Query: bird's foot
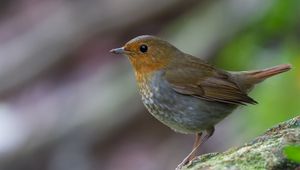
186, 161
180, 166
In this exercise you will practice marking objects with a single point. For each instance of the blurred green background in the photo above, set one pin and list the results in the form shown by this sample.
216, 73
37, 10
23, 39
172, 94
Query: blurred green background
66, 103
271, 39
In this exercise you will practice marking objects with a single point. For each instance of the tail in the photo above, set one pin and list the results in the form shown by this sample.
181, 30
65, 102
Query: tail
247, 79
260, 75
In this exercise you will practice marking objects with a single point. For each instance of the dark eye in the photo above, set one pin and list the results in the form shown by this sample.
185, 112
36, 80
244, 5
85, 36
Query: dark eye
143, 48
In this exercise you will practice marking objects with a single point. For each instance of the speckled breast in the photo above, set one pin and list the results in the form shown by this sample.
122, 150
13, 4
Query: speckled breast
182, 113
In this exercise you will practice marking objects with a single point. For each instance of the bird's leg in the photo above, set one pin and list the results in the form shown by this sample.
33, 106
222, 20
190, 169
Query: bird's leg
197, 144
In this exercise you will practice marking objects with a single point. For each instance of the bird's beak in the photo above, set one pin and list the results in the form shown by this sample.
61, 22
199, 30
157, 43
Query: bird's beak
118, 50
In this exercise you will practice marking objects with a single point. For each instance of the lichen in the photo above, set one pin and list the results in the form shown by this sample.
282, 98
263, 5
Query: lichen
264, 152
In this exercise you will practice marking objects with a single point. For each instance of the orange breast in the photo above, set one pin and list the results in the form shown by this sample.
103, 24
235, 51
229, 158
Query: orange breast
145, 65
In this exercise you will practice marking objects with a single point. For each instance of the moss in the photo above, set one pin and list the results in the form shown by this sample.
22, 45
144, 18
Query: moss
264, 152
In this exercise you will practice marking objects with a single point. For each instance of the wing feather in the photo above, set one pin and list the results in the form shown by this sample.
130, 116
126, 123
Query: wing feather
205, 82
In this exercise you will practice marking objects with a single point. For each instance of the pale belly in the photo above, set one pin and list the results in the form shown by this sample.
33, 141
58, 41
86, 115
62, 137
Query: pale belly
182, 113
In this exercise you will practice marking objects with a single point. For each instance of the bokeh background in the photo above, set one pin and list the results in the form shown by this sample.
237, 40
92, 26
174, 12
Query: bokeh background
66, 103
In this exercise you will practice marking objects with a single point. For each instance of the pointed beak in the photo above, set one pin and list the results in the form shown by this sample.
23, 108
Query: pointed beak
118, 51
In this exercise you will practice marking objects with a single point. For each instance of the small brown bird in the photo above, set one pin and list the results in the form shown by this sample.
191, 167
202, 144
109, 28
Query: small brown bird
185, 92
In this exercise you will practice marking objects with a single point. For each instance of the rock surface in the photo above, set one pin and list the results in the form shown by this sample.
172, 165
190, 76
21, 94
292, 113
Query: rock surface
264, 152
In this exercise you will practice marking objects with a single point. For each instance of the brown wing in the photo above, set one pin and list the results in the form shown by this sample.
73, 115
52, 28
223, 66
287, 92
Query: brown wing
206, 82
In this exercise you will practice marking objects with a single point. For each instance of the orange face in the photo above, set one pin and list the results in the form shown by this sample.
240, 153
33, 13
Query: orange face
147, 53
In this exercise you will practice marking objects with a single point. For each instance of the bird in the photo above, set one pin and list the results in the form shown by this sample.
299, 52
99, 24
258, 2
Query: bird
185, 92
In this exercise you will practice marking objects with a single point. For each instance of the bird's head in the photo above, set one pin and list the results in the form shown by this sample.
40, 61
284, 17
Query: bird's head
148, 53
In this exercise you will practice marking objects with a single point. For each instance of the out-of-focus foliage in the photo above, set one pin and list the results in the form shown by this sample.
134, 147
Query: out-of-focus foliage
272, 39
292, 152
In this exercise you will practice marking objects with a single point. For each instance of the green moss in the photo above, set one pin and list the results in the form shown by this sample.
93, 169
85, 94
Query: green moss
264, 152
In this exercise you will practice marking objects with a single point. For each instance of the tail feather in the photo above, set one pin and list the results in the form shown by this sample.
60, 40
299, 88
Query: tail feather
247, 79
260, 75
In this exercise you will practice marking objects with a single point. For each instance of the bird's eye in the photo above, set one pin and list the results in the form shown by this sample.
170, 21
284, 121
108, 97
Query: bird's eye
143, 48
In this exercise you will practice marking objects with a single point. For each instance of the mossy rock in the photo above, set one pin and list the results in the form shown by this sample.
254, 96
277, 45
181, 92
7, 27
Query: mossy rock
264, 152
